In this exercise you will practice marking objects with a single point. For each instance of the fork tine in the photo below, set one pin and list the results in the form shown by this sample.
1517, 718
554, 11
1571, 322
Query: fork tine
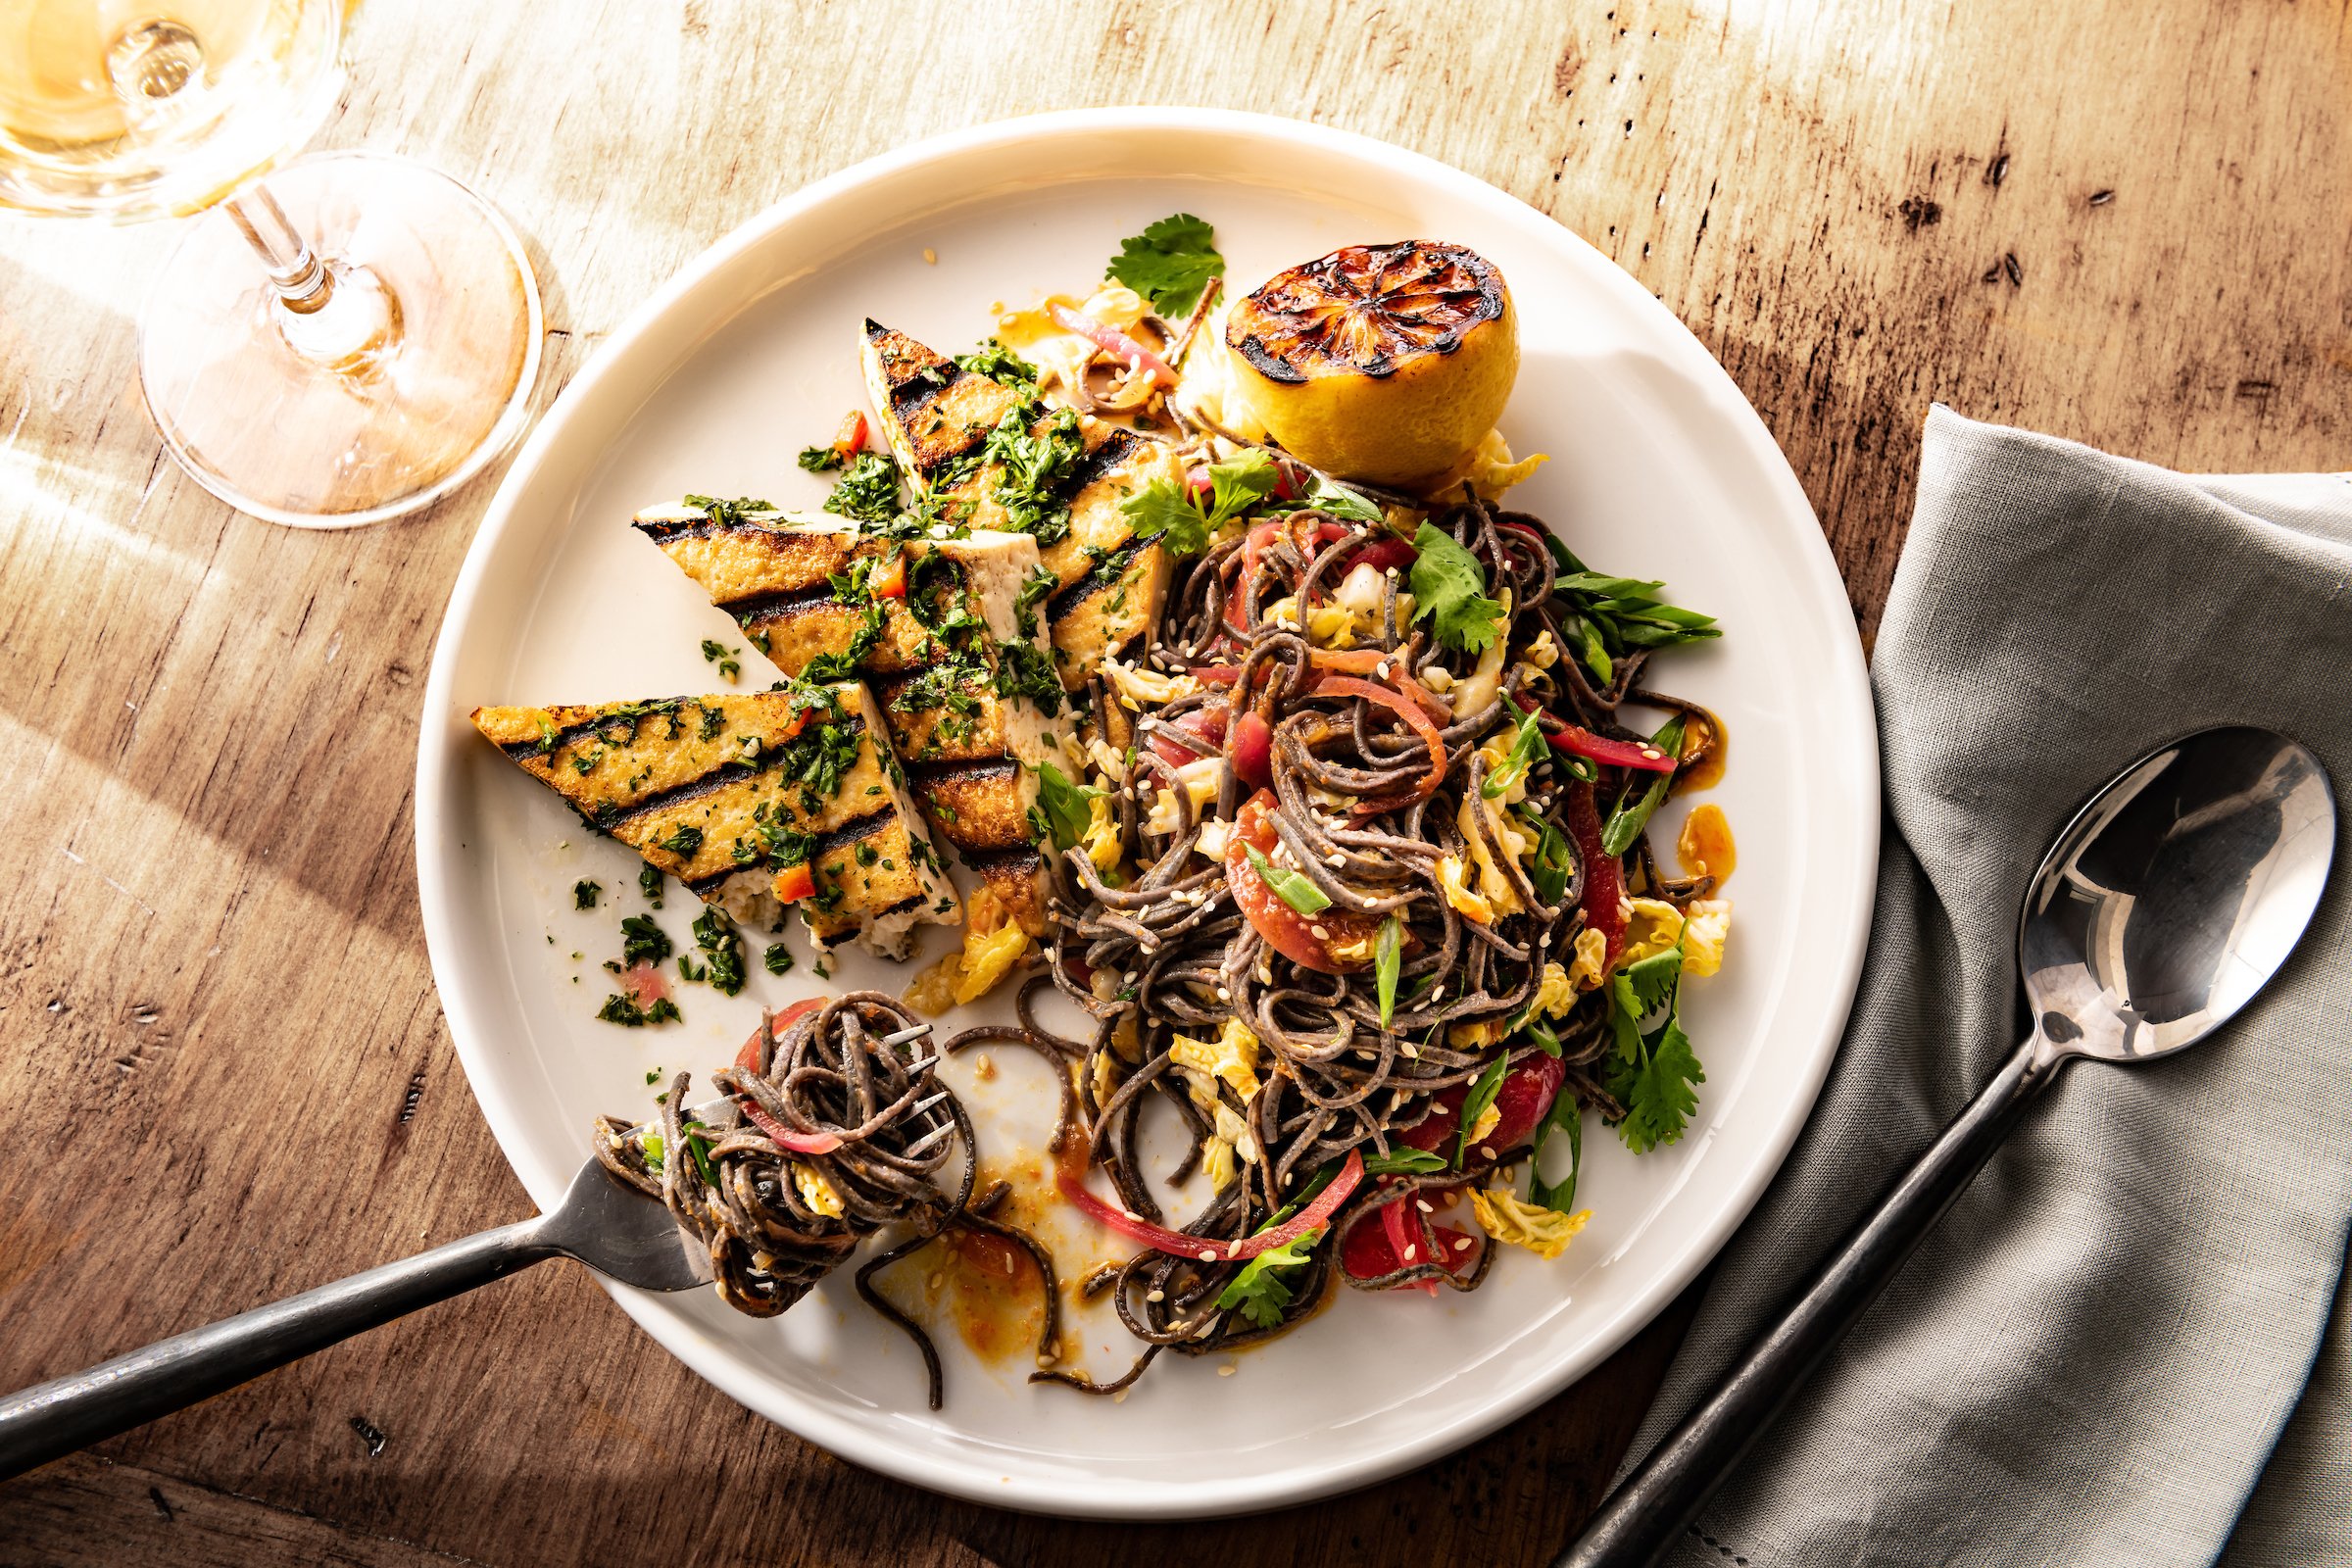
904, 1035
928, 1139
922, 1106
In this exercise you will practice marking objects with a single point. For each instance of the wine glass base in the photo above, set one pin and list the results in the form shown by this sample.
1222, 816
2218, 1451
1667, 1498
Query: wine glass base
362, 423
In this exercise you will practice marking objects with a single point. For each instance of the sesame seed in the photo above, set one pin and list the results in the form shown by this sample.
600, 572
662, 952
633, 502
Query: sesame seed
1321, 933
1409, 1250
930, 257
1224, 994
936, 1281
1462, 1244
1209, 1254
1484, 1153
1412, 1050
1227, 1370
1044, 1359
1119, 1398
1155, 1296
1133, 1216
1422, 1203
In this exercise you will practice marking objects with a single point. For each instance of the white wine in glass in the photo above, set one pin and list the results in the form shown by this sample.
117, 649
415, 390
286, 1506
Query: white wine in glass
347, 342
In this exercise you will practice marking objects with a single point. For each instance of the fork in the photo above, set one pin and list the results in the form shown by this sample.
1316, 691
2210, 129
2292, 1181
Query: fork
621, 1234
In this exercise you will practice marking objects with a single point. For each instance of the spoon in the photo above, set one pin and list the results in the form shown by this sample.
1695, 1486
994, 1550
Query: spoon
620, 1233
2159, 912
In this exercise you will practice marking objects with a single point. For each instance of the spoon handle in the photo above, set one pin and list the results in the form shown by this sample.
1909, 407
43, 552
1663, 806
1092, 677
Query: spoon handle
1661, 1498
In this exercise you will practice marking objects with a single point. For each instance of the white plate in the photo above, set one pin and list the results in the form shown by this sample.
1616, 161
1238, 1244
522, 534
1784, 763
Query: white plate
1659, 468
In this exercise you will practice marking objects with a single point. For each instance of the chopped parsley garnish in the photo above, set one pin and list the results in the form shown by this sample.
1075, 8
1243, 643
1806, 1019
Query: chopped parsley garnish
1450, 586
728, 665
1030, 464
1024, 669
717, 936
777, 958
1293, 888
1035, 589
620, 1010
1169, 262
842, 663
584, 893
1000, 364
642, 937
650, 882
1322, 495
653, 1075
727, 514
684, 841
868, 491
820, 460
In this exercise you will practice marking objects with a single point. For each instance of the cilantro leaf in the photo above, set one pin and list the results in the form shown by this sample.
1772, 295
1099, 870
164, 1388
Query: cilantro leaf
1628, 820
1659, 1093
1064, 806
1482, 1095
1341, 502
1237, 486
1450, 586
1000, 364
1260, 1295
1653, 1075
1169, 262
1163, 511
1294, 890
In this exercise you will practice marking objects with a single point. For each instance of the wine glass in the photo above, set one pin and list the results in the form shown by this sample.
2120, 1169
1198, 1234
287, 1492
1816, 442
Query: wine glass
384, 347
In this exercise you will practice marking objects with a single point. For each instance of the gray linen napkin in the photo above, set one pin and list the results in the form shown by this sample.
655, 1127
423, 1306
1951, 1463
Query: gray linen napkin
2094, 1358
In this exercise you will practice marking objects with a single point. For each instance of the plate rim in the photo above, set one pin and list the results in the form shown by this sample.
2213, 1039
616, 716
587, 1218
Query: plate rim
1848, 682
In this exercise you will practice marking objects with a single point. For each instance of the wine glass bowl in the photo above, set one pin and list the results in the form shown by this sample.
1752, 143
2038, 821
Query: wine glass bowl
347, 343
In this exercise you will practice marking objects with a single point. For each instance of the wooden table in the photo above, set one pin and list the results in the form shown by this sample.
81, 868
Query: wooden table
225, 1076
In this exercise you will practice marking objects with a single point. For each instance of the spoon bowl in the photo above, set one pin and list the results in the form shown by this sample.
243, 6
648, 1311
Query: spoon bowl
2171, 897
2160, 911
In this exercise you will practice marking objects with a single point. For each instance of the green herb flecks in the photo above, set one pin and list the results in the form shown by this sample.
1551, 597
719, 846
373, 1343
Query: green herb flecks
584, 893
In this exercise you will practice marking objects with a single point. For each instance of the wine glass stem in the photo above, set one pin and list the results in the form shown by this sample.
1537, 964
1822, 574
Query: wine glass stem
301, 279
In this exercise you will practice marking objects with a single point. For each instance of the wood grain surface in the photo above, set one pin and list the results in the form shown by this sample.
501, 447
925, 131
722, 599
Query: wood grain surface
225, 1075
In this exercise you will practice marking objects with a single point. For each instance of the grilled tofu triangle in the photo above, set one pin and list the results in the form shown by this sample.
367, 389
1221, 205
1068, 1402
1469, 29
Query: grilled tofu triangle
730, 794
937, 416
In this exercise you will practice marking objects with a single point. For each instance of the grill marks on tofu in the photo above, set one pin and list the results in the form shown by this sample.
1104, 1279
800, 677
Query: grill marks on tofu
1110, 612
937, 422
969, 744
935, 413
729, 793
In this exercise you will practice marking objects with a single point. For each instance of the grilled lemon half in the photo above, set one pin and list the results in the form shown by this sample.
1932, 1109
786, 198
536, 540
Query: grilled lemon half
1385, 362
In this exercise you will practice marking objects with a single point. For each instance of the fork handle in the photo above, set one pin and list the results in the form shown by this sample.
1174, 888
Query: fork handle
55, 1418
1662, 1499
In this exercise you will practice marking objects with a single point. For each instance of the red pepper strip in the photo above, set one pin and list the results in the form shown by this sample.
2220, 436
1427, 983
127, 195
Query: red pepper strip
1215, 674
1576, 741
794, 883
1392, 1220
1367, 661
1604, 876
748, 1060
889, 580
1111, 340
1176, 1244
851, 439
1410, 712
